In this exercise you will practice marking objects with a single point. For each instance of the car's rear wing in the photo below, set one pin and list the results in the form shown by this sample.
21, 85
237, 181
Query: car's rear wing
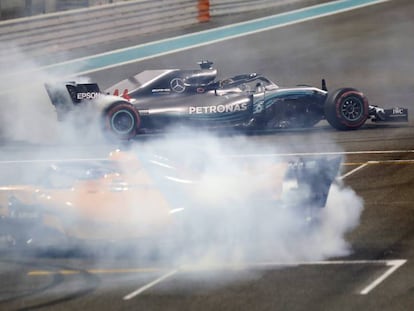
64, 96
76, 91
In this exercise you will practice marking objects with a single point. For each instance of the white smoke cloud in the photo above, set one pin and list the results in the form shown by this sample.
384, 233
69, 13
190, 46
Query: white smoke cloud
230, 212
26, 113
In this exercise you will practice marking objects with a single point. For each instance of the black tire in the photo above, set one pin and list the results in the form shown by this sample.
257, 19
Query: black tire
346, 109
121, 121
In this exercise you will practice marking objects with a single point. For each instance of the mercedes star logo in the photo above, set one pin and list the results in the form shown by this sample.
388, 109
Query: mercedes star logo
177, 85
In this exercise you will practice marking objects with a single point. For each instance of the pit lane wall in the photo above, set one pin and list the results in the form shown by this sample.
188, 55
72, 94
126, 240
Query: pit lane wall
105, 20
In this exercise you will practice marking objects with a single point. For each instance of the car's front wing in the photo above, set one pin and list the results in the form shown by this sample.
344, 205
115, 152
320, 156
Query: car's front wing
395, 114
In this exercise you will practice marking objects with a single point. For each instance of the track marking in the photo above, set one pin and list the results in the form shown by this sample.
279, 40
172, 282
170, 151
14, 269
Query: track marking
353, 171
162, 164
180, 180
92, 271
402, 162
149, 285
304, 154
391, 162
394, 265
256, 155
363, 165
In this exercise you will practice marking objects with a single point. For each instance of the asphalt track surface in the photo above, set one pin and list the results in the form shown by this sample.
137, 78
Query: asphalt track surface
369, 48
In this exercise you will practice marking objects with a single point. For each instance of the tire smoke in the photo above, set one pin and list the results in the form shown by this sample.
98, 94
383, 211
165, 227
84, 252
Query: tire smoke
221, 209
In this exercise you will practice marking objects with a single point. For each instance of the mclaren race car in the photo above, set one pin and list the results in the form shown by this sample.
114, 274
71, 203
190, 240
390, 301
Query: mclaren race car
156, 99
130, 198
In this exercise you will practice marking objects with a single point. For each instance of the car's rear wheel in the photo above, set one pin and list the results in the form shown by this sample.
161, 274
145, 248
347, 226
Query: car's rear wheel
121, 121
346, 109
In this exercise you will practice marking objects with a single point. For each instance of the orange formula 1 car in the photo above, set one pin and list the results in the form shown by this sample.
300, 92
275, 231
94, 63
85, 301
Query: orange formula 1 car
128, 198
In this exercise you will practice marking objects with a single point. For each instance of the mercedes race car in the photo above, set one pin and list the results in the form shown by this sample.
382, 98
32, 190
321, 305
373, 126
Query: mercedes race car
156, 99
129, 198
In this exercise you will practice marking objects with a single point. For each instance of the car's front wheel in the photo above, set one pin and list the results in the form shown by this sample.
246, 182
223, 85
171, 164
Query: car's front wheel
346, 109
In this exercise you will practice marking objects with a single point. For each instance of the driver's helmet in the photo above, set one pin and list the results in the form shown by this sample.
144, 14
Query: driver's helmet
260, 87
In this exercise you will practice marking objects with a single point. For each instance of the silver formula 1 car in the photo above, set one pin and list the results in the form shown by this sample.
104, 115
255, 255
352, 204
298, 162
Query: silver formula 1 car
156, 99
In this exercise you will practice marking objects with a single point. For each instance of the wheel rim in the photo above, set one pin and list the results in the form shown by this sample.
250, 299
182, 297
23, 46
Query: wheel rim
122, 122
352, 108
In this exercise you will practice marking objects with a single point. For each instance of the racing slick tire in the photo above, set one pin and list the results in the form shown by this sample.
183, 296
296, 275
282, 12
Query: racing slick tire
121, 121
346, 109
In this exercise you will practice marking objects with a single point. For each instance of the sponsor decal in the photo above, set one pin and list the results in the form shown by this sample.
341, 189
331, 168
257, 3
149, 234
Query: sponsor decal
258, 107
126, 95
87, 95
160, 90
218, 108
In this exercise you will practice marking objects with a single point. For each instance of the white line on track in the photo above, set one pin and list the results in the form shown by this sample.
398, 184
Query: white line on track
158, 163
374, 162
253, 155
256, 155
179, 180
393, 265
388, 162
353, 171
149, 285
